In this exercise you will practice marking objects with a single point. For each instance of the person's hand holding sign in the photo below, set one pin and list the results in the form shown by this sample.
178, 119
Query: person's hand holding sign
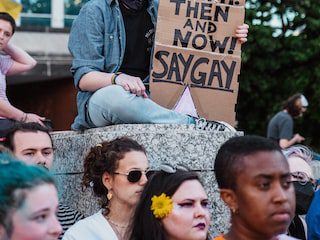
242, 33
131, 84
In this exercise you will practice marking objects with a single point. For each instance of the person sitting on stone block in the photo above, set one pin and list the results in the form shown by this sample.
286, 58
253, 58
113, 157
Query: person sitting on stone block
13, 60
116, 171
254, 180
111, 60
32, 144
173, 205
28, 202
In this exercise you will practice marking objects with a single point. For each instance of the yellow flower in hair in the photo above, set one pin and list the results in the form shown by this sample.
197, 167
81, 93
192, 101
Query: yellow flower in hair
161, 206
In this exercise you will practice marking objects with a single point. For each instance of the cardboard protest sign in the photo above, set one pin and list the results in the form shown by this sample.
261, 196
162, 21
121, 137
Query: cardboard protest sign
195, 48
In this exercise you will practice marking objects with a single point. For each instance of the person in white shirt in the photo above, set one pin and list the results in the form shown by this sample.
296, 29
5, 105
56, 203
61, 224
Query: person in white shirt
116, 172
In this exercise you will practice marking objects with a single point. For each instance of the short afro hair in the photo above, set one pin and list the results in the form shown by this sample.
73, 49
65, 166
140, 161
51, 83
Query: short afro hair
229, 159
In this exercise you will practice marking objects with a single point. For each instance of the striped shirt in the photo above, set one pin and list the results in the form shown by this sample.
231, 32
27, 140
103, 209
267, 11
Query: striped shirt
5, 64
67, 217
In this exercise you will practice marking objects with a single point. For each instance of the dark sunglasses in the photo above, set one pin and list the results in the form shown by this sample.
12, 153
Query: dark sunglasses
168, 168
135, 175
301, 177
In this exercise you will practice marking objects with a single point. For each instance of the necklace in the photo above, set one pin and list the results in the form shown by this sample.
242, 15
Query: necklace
119, 230
116, 224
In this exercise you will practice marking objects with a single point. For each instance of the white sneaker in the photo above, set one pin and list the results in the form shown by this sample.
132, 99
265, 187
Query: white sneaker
203, 124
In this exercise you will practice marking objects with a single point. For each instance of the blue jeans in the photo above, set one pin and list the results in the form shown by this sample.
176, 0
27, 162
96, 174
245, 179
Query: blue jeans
114, 105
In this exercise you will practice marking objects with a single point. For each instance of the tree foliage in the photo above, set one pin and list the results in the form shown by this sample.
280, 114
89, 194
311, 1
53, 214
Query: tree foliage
279, 60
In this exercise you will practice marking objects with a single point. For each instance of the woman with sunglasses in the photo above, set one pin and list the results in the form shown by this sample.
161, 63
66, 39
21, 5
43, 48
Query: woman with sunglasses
173, 206
116, 171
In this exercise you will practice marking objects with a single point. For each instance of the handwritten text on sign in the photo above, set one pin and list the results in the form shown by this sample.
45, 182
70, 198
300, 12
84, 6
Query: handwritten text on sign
195, 46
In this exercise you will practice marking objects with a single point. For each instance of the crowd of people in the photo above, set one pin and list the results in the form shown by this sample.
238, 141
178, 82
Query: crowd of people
269, 192
267, 183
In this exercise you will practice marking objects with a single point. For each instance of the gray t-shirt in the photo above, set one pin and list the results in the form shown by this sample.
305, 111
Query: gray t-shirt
280, 127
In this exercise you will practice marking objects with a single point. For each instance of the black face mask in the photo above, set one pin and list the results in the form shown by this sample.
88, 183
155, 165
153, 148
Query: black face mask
134, 5
304, 196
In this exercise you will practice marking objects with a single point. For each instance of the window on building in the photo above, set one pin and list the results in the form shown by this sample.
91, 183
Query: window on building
38, 13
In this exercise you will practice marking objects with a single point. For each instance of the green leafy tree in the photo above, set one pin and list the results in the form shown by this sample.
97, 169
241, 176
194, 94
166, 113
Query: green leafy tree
279, 60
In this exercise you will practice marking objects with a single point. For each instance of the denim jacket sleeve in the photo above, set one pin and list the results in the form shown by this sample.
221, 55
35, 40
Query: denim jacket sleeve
86, 42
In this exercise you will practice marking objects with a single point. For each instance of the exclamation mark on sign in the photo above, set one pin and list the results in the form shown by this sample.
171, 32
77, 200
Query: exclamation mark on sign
232, 45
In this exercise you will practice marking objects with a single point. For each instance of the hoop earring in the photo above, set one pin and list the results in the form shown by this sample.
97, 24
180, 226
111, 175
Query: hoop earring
109, 196
234, 210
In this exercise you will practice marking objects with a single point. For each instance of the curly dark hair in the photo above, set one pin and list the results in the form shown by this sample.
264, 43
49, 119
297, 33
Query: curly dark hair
104, 157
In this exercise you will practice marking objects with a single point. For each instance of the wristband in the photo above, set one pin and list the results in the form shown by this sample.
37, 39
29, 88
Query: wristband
114, 76
24, 117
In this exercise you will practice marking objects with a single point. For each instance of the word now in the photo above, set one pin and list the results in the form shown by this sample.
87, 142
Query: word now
200, 41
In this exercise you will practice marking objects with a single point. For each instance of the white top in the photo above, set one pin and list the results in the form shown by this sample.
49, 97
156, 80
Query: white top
285, 237
95, 227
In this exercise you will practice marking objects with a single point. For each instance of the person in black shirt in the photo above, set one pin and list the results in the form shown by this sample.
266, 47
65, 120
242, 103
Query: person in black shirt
111, 43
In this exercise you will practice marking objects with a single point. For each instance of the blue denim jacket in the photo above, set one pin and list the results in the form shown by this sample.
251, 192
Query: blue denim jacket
97, 43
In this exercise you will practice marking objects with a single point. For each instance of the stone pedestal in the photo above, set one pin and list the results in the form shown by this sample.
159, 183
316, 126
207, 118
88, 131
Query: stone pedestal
175, 144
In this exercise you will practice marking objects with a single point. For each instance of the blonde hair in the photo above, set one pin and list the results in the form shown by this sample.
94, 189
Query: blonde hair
299, 151
299, 158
